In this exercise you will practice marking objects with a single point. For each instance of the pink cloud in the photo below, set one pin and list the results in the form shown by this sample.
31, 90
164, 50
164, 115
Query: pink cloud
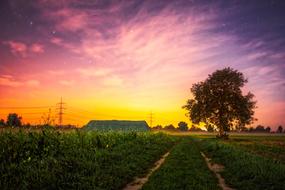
57, 41
257, 55
66, 82
94, 72
68, 19
32, 83
17, 48
56, 72
10, 81
158, 56
23, 50
37, 48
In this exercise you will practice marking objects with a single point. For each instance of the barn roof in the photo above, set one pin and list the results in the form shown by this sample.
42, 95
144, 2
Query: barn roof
117, 125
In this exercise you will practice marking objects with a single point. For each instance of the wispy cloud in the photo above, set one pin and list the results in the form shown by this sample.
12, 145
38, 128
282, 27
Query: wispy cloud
152, 49
23, 50
94, 72
31, 83
17, 48
66, 82
37, 48
10, 81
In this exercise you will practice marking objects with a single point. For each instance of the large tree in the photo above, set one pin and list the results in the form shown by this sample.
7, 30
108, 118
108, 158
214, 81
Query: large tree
219, 101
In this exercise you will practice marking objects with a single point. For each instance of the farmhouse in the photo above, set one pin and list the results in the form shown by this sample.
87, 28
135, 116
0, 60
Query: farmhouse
117, 125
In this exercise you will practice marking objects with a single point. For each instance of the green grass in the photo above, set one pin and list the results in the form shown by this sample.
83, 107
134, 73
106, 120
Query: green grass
77, 160
184, 168
272, 147
245, 170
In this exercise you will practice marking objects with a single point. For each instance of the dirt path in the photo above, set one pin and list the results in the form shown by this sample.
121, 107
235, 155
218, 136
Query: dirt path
216, 168
139, 182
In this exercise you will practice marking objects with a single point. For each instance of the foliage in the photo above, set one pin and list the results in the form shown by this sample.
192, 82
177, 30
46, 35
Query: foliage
77, 160
245, 170
14, 120
169, 127
195, 129
2, 123
279, 129
272, 148
260, 129
157, 127
183, 126
209, 127
219, 100
184, 168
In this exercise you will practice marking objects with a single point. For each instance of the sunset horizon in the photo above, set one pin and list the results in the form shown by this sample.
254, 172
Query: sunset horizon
136, 60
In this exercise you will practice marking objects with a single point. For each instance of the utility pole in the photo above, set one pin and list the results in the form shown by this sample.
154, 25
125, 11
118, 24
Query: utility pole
60, 108
151, 118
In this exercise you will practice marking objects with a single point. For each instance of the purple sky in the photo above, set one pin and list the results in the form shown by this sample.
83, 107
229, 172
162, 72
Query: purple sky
137, 56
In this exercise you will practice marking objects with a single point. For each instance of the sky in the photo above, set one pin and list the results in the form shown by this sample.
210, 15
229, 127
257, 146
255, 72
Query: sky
127, 59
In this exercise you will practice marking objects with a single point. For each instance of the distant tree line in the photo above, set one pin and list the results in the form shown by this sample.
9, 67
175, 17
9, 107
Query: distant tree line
15, 121
183, 126
263, 129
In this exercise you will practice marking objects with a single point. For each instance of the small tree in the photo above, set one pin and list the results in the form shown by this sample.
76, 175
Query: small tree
14, 120
268, 129
2, 123
183, 126
47, 119
259, 128
157, 127
219, 100
279, 129
169, 127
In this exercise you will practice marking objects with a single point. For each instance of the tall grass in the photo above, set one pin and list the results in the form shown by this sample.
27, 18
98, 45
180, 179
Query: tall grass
245, 170
184, 168
76, 160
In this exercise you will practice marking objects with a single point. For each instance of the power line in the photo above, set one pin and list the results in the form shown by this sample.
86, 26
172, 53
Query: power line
151, 118
60, 111
27, 107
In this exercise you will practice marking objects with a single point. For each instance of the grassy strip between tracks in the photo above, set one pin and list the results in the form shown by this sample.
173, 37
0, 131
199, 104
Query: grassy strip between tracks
266, 148
245, 170
77, 160
184, 168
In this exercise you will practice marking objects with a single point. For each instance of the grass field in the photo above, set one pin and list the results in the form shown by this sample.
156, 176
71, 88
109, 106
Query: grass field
244, 167
183, 169
77, 159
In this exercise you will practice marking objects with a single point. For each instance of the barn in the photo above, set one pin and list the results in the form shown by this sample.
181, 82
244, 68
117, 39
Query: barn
116, 125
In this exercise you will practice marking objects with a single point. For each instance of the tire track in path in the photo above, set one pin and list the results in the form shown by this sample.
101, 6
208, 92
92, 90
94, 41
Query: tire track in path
137, 183
216, 169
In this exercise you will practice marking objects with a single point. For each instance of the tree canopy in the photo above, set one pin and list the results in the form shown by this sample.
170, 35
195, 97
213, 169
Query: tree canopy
219, 101
183, 126
279, 129
14, 120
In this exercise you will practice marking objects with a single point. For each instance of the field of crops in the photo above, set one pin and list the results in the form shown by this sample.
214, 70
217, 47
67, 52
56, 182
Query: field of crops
183, 169
255, 164
77, 160
96, 160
